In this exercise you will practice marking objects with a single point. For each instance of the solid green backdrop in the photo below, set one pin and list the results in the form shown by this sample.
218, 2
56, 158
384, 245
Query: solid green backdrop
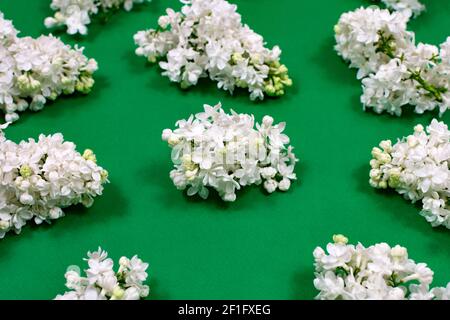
259, 247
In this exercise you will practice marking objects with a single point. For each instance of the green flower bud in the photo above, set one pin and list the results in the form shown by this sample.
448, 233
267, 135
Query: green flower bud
241, 84
394, 178
68, 90
25, 171
255, 59
59, 16
118, 293
84, 84
287, 82
88, 154
282, 69
65, 81
236, 57
340, 239
27, 83
104, 175
275, 65
337, 29
53, 95
34, 84
269, 89
184, 84
4, 225
382, 184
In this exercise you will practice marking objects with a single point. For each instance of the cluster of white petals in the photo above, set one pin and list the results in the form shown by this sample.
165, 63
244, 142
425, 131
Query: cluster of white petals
417, 167
76, 14
395, 72
226, 152
379, 272
33, 71
414, 7
39, 178
103, 283
207, 39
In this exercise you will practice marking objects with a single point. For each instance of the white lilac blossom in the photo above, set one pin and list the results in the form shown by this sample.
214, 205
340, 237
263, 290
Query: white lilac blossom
226, 152
395, 71
76, 14
208, 39
379, 272
103, 283
33, 71
40, 178
417, 167
414, 7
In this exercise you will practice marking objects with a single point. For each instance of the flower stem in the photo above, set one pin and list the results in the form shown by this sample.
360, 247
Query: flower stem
387, 46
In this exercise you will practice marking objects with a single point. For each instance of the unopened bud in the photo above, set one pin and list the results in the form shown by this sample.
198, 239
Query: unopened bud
399, 252
25, 171
340, 239
88, 154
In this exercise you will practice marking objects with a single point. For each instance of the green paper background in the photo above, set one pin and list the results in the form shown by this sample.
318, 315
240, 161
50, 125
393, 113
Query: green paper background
259, 247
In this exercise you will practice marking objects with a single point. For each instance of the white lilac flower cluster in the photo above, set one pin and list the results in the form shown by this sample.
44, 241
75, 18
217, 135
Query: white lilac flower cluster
39, 178
103, 283
76, 14
418, 168
207, 39
33, 71
413, 7
395, 72
379, 272
225, 152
